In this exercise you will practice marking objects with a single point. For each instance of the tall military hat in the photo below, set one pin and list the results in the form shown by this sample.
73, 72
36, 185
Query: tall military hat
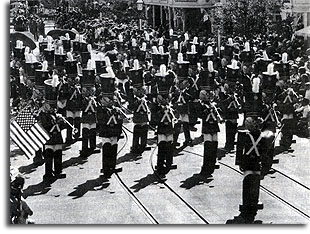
247, 55
192, 55
71, 66
117, 65
182, 67
49, 52
195, 41
142, 54
269, 79
60, 57
112, 55
134, 49
31, 66
83, 47
206, 78
108, 82
86, 55
76, 44
174, 51
163, 57
283, 67
19, 50
51, 90
229, 48
66, 43
100, 64
120, 43
172, 36
263, 62
155, 56
88, 78
253, 100
208, 56
42, 43
136, 74
233, 72
163, 80
41, 75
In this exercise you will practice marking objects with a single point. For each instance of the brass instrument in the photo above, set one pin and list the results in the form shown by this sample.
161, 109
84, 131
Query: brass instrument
236, 100
74, 129
276, 117
212, 106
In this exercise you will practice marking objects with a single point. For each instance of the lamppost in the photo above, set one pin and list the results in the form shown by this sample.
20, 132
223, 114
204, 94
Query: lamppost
140, 8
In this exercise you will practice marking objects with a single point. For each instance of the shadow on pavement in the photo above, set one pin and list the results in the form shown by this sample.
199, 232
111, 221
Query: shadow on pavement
38, 189
194, 180
90, 185
129, 157
74, 162
16, 152
221, 153
29, 168
144, 182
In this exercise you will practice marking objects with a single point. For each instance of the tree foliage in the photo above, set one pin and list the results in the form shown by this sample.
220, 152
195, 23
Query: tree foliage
246, 17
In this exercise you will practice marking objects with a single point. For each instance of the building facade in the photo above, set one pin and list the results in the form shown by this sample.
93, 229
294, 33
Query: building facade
179, 14
299, 9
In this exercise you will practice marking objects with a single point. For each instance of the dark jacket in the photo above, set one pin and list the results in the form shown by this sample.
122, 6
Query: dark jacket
49, 122
107, 125
139, 109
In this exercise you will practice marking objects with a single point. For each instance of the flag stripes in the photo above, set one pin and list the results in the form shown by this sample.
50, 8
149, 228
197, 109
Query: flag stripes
27, 134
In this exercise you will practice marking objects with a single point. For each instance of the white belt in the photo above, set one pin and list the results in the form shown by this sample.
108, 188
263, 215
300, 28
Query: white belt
89, 125
74, 114
184, 118
53, 147
165, 137
210, 136
62, 104
111, 140
288, 116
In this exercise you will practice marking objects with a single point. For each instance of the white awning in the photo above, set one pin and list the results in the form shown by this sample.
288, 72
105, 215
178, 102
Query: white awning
303, 32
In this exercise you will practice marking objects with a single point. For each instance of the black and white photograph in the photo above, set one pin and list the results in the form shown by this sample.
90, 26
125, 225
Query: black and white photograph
141, 112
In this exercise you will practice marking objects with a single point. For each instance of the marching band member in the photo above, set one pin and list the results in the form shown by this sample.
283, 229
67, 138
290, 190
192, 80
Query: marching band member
38, 98
138, 104
283, 67
285, 103
49, 51
209, 114
89, 105
229, 49
74, 101
248, 155
109, 122
231, 105
53, 123
181, 100
269, 115
165, 120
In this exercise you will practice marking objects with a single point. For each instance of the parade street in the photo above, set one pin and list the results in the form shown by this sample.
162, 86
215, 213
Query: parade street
84, 197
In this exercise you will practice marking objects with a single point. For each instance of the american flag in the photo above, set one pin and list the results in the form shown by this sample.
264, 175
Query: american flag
26, 133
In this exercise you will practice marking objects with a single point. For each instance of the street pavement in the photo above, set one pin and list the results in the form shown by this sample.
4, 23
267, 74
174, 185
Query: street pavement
83, 197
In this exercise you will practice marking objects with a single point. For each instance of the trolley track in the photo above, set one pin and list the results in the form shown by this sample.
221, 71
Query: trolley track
174, 192
267, 190
161, 181
264, 188
128, 190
